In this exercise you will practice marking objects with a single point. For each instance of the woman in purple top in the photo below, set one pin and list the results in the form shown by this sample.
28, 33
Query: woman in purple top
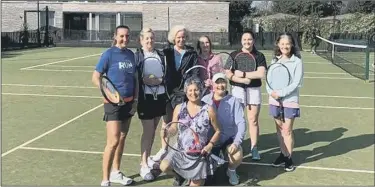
119, 65
202, 118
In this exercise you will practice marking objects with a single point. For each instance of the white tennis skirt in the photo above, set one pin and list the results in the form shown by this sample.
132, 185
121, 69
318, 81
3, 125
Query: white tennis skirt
254, 94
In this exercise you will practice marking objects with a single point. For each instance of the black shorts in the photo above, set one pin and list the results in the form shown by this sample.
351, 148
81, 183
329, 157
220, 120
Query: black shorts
148, 108
221, 147
117, 113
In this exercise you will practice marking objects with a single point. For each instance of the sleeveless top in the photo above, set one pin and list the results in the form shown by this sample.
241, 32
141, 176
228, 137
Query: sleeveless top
200, 123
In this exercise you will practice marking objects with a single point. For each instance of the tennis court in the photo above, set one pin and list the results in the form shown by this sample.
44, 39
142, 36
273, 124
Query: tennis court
53, 133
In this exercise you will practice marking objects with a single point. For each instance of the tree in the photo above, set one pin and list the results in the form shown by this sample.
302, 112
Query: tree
307, 8
360, 7
239, 9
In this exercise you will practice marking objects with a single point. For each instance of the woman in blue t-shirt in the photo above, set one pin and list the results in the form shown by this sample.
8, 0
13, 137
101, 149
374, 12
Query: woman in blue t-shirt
118, 64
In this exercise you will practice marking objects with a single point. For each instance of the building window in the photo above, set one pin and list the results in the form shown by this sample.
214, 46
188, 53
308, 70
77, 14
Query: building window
51, 18
107, 22
133, 20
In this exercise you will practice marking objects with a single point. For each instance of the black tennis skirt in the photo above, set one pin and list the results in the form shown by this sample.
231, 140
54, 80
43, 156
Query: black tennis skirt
149, 108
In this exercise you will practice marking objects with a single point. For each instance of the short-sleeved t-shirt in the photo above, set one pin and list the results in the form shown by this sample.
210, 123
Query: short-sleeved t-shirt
119, 66
260, 60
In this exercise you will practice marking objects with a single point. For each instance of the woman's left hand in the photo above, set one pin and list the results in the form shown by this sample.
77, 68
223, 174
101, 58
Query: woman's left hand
274, 95
207, 149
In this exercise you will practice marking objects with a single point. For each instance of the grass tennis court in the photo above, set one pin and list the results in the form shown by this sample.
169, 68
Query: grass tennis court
53, 133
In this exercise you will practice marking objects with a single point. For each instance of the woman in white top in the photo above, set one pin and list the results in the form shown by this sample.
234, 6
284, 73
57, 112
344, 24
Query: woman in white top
150, 109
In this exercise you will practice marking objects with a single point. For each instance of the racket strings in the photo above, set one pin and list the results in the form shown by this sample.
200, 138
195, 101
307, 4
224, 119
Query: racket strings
109, 91
153, 68
245, 62
278, 77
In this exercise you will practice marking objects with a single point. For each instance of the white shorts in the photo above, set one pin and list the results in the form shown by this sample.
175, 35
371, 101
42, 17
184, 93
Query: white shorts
254, 95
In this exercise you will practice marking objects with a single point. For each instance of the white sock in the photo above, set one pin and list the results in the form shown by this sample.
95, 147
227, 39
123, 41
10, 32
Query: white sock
115, 171
232, 170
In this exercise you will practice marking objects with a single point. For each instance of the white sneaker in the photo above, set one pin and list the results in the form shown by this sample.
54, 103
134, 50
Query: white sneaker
146, 174
105, 183
119, 177
159, 155
233, 177
151, 163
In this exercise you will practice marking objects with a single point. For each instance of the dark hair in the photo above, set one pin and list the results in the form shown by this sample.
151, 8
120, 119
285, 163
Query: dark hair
199, 49
117, 28
293, 50
248, 31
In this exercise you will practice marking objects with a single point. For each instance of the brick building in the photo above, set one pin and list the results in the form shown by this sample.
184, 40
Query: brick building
198, 16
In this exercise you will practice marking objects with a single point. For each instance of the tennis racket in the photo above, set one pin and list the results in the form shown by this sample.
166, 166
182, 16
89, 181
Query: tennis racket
186, 74
226, 60
277, 78
181, 137
110, 92
244, 62
153, 73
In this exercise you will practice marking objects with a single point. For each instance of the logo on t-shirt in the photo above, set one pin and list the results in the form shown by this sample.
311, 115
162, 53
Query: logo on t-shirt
127, 64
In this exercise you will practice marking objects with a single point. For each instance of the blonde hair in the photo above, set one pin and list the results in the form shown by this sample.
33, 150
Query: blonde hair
173, 32
144, 31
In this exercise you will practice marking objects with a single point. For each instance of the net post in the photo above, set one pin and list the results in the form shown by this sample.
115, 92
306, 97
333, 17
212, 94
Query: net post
333, 53
367, 63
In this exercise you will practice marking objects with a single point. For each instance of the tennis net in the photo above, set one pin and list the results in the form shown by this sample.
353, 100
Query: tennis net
354, 59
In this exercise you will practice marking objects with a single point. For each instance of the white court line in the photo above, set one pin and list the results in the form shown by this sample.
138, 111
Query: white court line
50, 131
63, 66
60, 70
245, 163
92, 87
90, 71
328, 73
47, 95
265, 104
26, 68
50, 86
316, 73
73, 151
333, 78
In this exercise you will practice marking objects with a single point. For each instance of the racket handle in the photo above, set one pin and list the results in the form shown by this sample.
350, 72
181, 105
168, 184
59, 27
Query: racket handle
218, 159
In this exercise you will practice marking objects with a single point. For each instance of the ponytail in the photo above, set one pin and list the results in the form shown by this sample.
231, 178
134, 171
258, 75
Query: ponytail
114, 42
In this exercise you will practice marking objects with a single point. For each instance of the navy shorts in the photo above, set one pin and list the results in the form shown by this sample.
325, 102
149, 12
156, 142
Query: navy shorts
221, 147
289, 113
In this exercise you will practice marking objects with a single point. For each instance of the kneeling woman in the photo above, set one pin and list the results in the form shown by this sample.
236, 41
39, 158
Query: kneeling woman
202, 118
232, 122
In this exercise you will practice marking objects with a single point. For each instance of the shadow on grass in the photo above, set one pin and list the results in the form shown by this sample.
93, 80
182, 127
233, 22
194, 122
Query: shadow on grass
252, 175
303, 137
158, 176
335, 148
